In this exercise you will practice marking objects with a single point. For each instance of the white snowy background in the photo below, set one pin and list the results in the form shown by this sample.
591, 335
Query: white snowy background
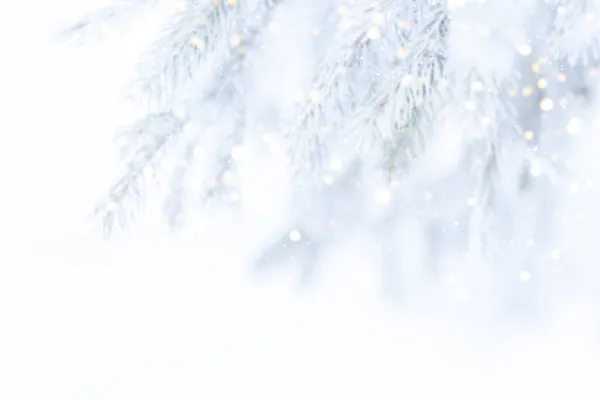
147, 316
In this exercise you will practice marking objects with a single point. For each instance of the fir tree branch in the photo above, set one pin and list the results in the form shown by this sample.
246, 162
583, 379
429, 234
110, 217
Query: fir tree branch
480, 104
175, 57
204, 176
197, 30
576, 33
147, 139
236, 56
331, 88
142, 143
361, 58
491, 121
402, 112
226, 89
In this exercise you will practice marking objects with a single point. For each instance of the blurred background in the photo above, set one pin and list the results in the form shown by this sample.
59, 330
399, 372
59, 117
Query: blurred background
154, 315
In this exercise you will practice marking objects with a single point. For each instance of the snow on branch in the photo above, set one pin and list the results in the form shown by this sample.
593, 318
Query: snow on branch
402, 111
143, 142
481, 71
212, 175
380, 73
188, 38
204, 171
576, 33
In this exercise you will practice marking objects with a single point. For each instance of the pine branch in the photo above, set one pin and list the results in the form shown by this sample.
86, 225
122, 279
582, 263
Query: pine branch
146, 140
481, 107
360, 57
489, 120
226, 89
236, 56
206, 176
576, 33
402, 113
174, 59
212, 179
331, 89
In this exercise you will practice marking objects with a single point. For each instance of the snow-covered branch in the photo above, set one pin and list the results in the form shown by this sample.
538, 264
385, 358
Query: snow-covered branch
402, 111
223, 93
481, 73
385, 63
145, 140
193, 33
576, 32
